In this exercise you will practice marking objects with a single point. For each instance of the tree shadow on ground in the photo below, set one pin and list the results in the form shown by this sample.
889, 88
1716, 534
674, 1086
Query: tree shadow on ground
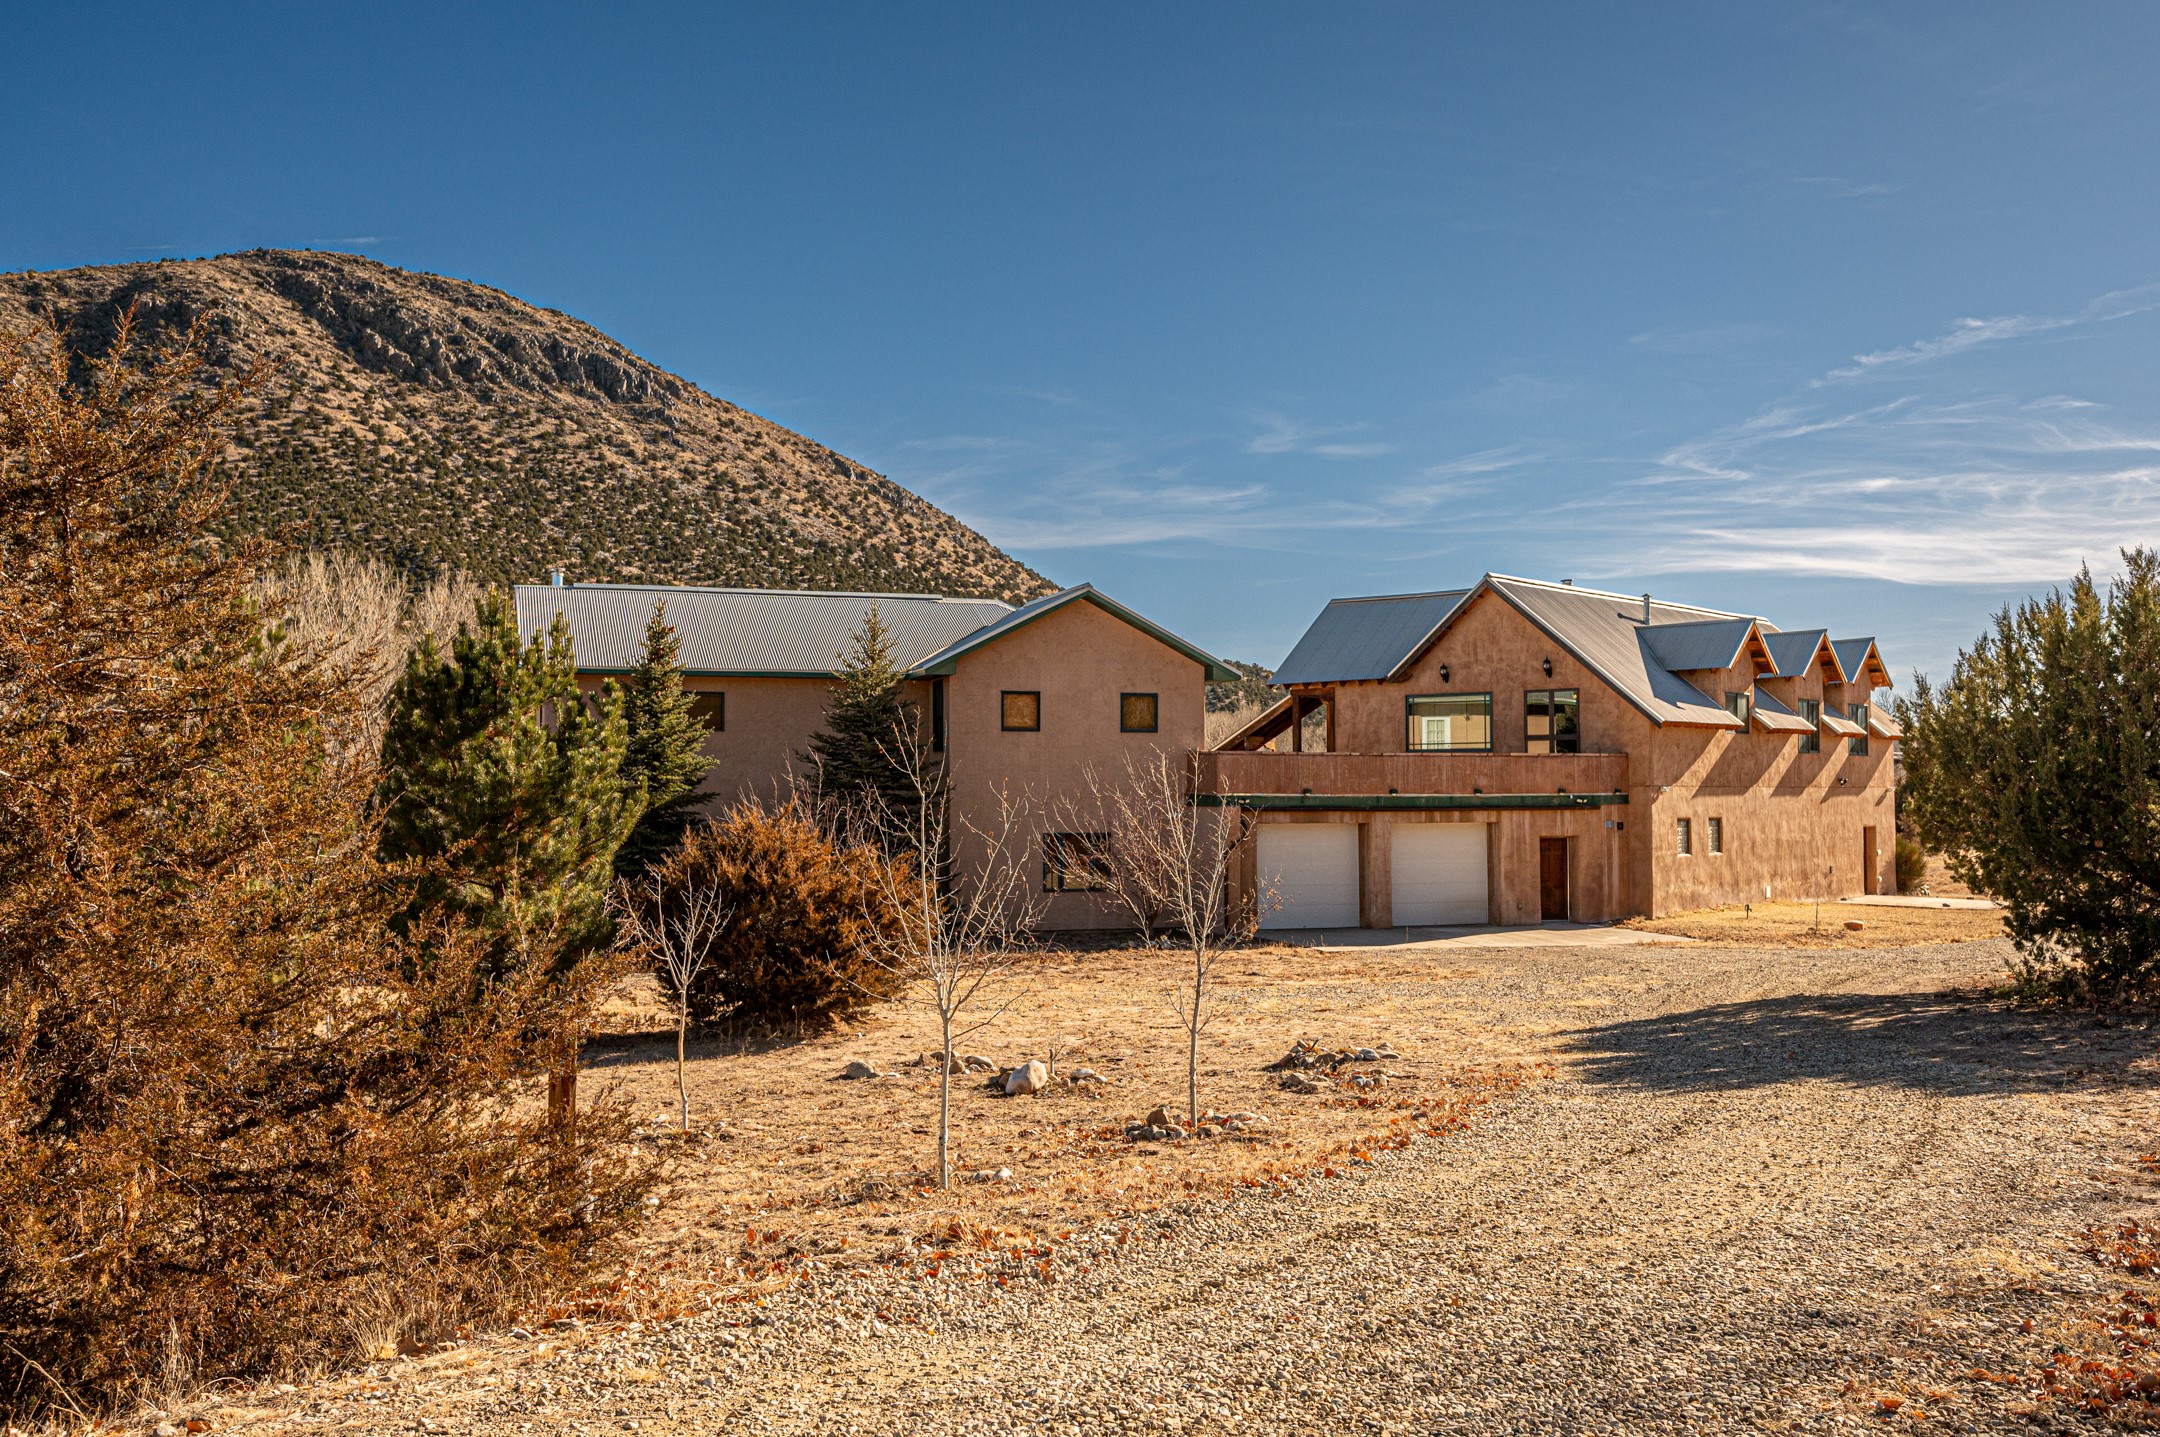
1945, 1041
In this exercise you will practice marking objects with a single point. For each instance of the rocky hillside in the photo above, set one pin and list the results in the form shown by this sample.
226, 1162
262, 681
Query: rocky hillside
435, 423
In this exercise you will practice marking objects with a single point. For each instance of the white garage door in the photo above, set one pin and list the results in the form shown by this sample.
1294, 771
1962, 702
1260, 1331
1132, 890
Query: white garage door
1314, 869
1439, 874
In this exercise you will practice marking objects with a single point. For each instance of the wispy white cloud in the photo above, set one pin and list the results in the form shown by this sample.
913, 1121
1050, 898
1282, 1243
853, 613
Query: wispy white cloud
1970, 334
1838, 187
1280, 436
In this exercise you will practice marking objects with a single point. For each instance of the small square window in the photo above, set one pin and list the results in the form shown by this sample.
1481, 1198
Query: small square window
1715, 833
710, 709
1136, 713
1076, 862
1683, 833
1020, 711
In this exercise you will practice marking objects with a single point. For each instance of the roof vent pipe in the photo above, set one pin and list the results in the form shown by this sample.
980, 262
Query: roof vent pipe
555, 578
1646, 608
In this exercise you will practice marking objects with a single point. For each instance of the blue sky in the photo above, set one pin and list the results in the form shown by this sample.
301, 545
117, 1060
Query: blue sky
1832, 315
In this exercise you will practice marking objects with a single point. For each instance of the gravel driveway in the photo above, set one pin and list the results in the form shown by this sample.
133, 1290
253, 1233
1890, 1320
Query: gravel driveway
1758, 1177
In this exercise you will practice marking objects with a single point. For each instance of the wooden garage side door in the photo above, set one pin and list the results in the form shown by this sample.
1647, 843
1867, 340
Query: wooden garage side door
1314, 868
1439, 874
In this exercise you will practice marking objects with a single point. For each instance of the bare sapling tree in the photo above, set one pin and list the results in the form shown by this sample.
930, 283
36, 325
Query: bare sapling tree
1168, 860
957, 902
673, 929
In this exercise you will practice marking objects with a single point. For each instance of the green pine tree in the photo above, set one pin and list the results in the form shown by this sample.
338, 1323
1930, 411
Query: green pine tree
665, 749
863, 748
509, 787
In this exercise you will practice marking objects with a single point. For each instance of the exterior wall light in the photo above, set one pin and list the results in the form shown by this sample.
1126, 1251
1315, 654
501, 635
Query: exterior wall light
1443, 673
1548, 668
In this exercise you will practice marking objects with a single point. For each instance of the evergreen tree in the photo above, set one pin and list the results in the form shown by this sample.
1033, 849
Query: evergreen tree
508, 786
863, 748
665, 748
2035, 772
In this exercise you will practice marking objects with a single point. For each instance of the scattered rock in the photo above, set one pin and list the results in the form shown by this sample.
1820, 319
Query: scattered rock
858, 1069
991, 1175
1159, 1118
1854, 925
1085, 1075
166, 1429
1030, 1077
976, 1063
1300, 1083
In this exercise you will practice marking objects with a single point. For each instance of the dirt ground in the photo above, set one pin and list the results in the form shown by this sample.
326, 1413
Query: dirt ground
1709, 1188
801, 1160
1810, 925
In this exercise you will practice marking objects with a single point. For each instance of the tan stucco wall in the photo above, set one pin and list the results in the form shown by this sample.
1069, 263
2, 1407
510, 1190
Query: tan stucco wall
769, 722
1081, 660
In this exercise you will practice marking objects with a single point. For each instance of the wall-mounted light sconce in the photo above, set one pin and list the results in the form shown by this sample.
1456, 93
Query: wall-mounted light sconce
1443, 673
1548, 668
1841, 783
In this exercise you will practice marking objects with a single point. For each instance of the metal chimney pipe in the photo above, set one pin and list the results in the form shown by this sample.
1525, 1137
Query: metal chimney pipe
555, 578
1646, 608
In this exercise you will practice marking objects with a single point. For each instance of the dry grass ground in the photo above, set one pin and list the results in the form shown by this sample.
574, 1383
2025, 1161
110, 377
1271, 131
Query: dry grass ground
785, 1158
1807, 925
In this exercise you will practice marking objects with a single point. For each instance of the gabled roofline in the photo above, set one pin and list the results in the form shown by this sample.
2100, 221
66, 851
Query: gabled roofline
761, 593
1868, 655
1486, 584
1814, 658
942, 663
1751, 634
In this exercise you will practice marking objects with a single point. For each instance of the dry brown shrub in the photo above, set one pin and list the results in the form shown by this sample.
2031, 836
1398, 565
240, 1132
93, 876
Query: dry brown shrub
795, 949
233, 1112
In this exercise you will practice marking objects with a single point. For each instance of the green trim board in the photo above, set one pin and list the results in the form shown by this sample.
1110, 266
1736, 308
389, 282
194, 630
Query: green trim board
1381, 802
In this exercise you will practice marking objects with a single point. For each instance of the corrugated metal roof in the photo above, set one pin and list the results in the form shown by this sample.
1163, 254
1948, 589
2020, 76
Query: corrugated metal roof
1794, 652
1605, 632
1881, 725
1841, 725
1853, 656
1366, 638
942, 661
1702, 644
746, 631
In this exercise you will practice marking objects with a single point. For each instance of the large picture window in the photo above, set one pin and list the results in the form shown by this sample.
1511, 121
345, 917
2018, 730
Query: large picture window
1552, 721
1450, 723
1076, 862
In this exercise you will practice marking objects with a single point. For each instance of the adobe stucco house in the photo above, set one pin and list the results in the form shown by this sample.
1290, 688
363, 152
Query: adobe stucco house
1518, 751
1027, 699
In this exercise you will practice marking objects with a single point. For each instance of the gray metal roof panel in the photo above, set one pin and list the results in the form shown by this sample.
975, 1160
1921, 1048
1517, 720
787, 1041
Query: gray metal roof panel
1774, 716
1700, 644
1852, 656
1214, 670
1366, 638
1606, 633
746, 631
1794, 652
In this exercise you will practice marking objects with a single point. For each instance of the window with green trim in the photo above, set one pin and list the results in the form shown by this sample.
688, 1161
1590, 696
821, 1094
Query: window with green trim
1136, 713
1020, 710
1076, 862
1552, 721
1449, 723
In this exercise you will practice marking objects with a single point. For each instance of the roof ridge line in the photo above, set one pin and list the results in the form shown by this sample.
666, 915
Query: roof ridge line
1611, 594
615, 588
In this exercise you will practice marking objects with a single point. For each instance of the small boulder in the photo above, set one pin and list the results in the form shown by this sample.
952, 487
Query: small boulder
1158, 1118
976, 1063
858, 1069
1854, 925
1299, 1083
1030, 1077
1084, 1075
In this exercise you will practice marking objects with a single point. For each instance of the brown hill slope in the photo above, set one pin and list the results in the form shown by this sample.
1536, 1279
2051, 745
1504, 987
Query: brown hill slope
436, 422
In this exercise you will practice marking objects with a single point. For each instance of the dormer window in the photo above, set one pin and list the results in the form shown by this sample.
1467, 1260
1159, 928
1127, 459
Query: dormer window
1739, 705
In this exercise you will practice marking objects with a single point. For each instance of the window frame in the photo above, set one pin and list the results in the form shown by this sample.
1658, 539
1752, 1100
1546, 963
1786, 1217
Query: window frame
1408, 715
1740, 703
937, 715
1005, 723
1858, 745
1551, 712
1811, 741
1154, 712
1684, 838
1714, 836
716, 722
1057, 866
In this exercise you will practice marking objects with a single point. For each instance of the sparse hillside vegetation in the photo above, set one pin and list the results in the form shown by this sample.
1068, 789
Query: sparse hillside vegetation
438, 424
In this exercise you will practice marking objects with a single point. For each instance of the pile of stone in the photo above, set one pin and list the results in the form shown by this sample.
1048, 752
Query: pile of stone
1309, 1068
1161, 1127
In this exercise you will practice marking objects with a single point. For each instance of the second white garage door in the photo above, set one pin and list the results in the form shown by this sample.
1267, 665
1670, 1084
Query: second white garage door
1439, 874
1314, 869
